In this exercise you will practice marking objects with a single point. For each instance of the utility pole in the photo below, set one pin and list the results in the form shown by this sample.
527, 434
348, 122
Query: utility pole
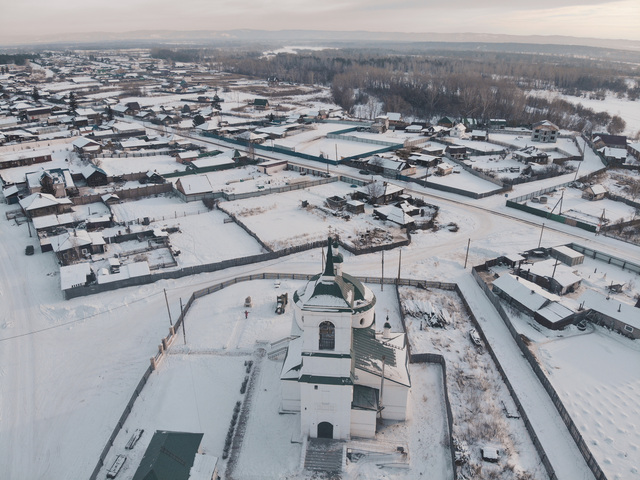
399, 264
467, 255
168, 310
560, 209
380, 406
382, 279
184, 333
541, 231
578, 169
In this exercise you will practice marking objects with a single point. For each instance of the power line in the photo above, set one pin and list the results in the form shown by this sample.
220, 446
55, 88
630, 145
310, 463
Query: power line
76, 320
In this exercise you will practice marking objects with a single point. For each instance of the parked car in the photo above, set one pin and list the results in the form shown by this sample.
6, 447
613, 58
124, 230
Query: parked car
29, 250
475, 338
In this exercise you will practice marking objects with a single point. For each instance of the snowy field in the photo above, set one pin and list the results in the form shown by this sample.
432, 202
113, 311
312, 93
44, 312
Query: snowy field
597, 376
628, 110
479, 398
575, 207
198, 228
281, 221
464, 181
315, 142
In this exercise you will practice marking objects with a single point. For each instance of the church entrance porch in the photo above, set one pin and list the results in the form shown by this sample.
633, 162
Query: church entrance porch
325, 430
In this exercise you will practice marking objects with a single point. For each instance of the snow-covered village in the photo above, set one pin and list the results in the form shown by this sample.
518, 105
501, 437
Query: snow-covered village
214, 273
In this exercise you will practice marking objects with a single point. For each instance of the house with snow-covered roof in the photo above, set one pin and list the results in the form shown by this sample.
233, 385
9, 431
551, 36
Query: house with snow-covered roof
339, 372
531, 154
38, 204
594, 192
194, 187
613, 313
545, 132
552, 275
94, 176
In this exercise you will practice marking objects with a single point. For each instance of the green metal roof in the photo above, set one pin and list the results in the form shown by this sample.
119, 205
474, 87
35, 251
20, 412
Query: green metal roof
369, 351
169, 456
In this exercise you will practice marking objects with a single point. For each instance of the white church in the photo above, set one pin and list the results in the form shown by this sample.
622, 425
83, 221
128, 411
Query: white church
339, 373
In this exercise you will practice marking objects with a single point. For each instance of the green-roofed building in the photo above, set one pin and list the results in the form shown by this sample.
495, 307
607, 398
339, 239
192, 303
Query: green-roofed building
339, 373
169, 456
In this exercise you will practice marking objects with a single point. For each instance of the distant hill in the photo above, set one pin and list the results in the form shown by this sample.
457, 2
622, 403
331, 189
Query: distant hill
329, 38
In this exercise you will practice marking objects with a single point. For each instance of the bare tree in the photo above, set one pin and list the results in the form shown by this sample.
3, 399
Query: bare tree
374, 190
616, 125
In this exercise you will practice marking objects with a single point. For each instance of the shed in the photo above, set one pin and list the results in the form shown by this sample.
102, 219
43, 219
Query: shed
594, 192
169, 456
75, 275
444, 169
210, 164
355, 206
555, 316
567, 255
272, 166
11, 194
260, 103
479, 135
513, 259
456, 151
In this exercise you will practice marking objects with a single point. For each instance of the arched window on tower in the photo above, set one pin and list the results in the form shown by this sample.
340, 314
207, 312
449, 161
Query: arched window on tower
327, 336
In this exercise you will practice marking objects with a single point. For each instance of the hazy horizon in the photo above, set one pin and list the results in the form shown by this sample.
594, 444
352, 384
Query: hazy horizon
48, 19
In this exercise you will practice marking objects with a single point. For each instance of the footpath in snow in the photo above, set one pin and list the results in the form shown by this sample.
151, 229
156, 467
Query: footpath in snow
561, 450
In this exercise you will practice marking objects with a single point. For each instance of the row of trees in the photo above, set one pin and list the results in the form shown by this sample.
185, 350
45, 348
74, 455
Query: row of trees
478, 85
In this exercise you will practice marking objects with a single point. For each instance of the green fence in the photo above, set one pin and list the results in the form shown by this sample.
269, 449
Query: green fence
551, 216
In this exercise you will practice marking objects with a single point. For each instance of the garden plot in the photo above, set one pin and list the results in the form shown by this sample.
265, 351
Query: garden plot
496, 166
157, 209
249, 179
591, 212
597, 377
479, 145
202, 237
161, 164
315, 142
464, 180
484, 412
281, 221
625, 183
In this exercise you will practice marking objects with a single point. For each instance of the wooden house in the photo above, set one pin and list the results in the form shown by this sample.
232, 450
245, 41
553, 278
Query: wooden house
94, 176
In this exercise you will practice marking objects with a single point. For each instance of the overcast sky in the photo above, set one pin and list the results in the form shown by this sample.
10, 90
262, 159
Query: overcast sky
582, 18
